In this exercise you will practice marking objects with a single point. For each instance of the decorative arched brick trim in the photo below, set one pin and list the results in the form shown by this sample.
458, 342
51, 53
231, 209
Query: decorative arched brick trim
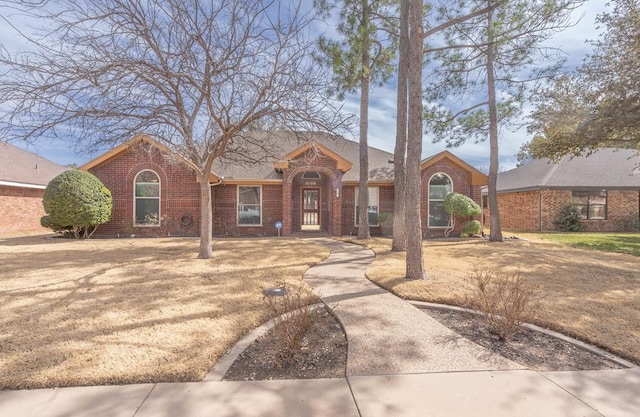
457, 176
299, 170
334, 178
146, 166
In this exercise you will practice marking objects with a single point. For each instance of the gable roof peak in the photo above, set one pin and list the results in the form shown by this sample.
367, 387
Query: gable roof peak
343, 164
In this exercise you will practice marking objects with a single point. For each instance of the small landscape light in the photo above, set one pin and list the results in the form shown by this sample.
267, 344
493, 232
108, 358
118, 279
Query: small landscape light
275, 292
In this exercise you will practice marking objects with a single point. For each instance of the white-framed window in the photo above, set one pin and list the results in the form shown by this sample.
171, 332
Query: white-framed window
372, 208
249, 205
592, 204
146, 199
440, 185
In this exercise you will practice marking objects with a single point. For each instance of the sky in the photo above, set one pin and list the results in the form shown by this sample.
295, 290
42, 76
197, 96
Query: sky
382, 104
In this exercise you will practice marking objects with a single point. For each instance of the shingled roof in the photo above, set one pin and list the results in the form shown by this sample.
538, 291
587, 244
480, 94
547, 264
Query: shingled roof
606, 168
257, 155
20, 168
278, 144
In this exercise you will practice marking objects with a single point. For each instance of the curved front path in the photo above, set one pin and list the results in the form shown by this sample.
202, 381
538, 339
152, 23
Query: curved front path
400, 363
386, 334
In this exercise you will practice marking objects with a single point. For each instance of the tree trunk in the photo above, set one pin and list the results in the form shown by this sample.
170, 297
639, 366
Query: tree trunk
206, 215
363, 202
363, 212
495, 232
399, 243
414, 261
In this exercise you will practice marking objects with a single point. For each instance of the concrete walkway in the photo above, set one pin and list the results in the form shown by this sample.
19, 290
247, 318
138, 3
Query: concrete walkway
400, 363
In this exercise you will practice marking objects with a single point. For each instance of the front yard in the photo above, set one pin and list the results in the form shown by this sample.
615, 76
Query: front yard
145, 310
628, 243
132, 310
589, 294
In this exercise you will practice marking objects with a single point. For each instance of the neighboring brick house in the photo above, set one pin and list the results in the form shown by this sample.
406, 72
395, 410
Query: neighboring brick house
604, 186
23, 178
305, 181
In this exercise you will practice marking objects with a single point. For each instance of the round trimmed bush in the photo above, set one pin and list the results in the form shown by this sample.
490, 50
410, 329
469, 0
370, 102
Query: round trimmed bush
460, 205
76, 202
470, 228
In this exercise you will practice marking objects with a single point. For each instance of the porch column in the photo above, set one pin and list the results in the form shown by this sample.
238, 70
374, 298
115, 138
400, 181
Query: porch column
287, 204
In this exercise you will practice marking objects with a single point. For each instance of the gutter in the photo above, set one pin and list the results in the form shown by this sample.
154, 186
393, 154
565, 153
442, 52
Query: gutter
22, 185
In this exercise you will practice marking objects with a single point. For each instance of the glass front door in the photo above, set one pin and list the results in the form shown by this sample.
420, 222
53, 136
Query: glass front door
310, 209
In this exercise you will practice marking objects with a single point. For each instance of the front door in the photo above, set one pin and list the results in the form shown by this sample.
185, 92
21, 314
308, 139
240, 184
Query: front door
310, 209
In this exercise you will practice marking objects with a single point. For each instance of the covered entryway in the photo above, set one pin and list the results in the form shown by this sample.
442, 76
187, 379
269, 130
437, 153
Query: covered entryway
310, 209
312, 189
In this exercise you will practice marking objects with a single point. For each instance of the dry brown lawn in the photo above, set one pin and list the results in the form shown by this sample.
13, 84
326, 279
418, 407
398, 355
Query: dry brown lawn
132, 310
592, 295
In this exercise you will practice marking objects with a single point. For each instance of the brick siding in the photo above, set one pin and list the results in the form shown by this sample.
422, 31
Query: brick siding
536, 210
225, 214
21, 210
519, 211
461, 184
180, 196
385, 205
179, 193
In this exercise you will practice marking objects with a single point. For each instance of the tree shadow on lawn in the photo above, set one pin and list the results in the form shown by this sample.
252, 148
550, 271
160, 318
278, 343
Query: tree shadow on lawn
146, 317
589, 294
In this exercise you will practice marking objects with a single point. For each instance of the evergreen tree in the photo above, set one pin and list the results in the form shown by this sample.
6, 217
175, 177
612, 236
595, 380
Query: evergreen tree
489, 62
363, 55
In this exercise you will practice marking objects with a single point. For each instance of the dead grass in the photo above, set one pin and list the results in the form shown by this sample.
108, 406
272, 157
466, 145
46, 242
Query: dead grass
591, 295
133, 310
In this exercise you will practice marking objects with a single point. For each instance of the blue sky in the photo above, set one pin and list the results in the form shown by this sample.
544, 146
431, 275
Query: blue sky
382, 103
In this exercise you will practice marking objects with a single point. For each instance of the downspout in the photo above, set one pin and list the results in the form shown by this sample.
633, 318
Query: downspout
540, 210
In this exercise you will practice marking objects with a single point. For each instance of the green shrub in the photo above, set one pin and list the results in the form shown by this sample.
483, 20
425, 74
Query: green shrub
458, 205
76, 202
568, 220
631, 223
385, 218
470, 228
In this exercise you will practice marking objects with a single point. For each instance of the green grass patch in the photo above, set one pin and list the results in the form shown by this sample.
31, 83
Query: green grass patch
628, 243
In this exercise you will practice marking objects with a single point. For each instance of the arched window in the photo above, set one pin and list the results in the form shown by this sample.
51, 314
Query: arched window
147, 199
310, 175
440, 186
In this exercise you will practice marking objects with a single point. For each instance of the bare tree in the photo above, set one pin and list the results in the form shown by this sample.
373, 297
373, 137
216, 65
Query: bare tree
193, 74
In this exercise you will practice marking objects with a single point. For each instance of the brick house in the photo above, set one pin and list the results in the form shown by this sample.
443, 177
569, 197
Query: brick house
305, 181
604, 186
23, 178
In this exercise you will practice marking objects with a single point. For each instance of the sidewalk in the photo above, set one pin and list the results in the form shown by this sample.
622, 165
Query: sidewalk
400, 362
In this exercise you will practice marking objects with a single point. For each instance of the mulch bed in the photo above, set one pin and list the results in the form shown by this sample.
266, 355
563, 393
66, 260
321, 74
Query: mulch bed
323, 354
532, 349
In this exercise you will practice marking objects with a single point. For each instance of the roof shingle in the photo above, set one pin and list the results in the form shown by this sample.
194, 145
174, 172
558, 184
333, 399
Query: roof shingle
606, 168
23, 167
